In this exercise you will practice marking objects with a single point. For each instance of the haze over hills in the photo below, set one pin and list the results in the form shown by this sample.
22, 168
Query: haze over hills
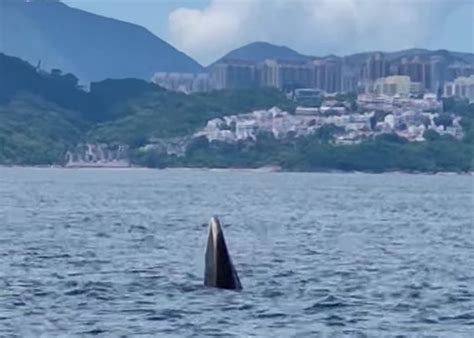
94, 48
90, 46
42, 115
259, 51
450, 56
45, 116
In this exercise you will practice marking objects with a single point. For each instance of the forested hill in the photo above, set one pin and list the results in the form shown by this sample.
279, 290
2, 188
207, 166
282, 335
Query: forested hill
44, 113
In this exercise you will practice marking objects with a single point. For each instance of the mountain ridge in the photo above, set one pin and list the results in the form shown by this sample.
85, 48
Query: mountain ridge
266, 48
53, 34
263, 50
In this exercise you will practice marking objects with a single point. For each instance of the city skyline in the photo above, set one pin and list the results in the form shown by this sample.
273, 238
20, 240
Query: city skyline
355, 25
405, 74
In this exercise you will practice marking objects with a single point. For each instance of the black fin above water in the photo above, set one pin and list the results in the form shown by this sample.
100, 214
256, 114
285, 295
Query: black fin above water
219, 270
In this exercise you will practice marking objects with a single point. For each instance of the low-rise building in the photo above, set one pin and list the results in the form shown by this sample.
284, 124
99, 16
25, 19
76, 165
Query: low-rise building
408, 118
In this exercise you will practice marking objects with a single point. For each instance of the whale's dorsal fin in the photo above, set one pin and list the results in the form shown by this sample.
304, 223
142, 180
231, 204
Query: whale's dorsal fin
219, 270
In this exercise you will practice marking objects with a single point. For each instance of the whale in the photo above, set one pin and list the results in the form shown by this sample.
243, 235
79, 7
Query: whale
219, 272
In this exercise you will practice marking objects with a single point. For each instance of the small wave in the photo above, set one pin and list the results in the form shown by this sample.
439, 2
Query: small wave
271, 293
139, 311
310, 252
137, 228
326, 303
462, 297
334, 320
354, 333
187, 287
271, 315
41, 293
88, 262
245, 307
98, 296
57, 256
428, 320
167, 314
18, 303
461, 316
75, 292
402, 307
97, 290
284, 274
94, 332
102, 235
157, 318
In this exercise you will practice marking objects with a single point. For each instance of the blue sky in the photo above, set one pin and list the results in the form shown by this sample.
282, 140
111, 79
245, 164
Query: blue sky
207, 29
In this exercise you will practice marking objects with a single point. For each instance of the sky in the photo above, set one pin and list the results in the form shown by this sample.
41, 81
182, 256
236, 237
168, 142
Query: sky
208, 29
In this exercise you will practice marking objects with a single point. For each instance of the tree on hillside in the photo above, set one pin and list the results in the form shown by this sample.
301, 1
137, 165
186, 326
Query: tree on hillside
444, 120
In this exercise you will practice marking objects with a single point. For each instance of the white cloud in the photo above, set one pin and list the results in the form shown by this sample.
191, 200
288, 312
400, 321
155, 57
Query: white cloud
315, 27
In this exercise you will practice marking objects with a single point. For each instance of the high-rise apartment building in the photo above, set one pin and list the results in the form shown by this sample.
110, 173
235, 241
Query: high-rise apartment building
333, 75
375, 67
438, 73
328, 74
285, 75
233, 74
417, 69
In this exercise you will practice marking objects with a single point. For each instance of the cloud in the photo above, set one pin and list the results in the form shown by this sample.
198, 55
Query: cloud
314, 27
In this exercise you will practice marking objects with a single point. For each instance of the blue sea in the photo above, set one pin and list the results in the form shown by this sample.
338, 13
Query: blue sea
121, 253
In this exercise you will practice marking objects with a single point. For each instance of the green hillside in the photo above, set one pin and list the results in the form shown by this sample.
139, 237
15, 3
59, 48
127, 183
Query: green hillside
34, 131
42, 115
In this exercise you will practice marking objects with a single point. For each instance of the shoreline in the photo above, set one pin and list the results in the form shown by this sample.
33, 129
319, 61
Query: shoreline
269, 169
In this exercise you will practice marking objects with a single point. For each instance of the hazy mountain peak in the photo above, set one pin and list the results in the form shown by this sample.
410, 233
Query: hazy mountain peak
259, 51
89, 45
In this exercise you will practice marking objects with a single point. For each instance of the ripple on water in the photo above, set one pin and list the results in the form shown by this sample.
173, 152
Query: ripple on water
167, 314
329, 302
461, 317
121, 253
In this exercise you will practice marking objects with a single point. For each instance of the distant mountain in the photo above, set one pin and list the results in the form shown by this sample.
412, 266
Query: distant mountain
356, 60
260, 51
449, 56
90, 46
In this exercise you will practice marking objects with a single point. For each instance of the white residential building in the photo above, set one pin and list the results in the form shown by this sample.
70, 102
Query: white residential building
461, 87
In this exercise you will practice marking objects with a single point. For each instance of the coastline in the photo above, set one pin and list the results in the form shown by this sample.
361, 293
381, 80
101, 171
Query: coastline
265, 169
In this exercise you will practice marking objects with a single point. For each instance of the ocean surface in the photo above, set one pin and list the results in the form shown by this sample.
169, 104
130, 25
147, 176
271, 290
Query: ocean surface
121, 253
